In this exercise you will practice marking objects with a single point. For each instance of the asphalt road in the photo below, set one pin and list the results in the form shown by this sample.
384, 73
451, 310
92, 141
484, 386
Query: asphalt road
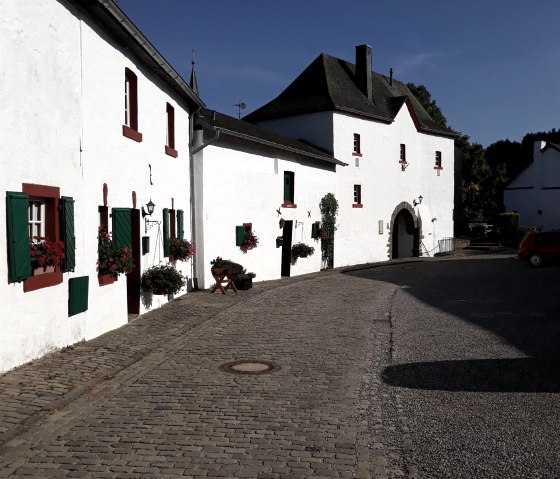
471, 385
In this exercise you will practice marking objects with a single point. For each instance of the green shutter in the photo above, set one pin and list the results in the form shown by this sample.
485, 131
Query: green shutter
180, 224
239, 235
17, 227
78, 289
165, 232
122, 227
145, 244
287, 186
67, 233
314, 230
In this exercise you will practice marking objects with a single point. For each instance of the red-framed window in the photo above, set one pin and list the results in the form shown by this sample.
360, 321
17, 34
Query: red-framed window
403, 153
357, 145
170, 136
357, 197
35, 213
438, 165
130, 126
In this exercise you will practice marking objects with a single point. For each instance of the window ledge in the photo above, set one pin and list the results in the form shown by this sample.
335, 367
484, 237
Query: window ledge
357, 205
438, 167
42, 281
132, 134
171, 151
288, 205
354, 153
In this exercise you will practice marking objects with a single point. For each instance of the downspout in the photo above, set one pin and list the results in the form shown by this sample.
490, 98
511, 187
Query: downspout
193, 151
191, 183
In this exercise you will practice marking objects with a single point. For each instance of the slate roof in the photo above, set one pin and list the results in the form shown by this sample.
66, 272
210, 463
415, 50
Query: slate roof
230, 126
328, 84
556, 146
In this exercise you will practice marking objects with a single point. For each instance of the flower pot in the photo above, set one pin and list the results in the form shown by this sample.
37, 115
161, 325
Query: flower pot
217, 271
44, 270
107, 278
244, 284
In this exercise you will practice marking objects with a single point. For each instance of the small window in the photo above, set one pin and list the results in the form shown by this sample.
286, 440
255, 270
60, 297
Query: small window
170, 137
357, 148
403, 153
357, 196
438, 160
289, 189
130, 127
36, 219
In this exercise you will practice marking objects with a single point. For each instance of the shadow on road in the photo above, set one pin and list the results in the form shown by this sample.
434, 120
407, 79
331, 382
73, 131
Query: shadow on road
501, 295
483, 375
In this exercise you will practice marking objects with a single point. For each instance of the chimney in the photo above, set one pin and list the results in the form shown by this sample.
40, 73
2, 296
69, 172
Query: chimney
363, 70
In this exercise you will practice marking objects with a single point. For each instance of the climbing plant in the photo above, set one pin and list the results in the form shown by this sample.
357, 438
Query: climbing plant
329, 210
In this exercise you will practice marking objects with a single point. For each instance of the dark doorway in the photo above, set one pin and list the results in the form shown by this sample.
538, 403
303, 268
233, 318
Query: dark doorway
286, 248
405, 236
133, 278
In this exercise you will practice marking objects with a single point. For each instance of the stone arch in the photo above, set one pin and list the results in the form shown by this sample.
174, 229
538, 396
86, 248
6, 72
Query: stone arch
405, 232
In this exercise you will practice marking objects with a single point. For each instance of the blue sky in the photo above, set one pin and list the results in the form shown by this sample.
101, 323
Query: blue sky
492, 66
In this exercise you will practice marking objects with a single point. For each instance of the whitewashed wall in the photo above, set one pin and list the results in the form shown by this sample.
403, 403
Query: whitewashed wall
62, 113
247, 187
536, 189
384, 184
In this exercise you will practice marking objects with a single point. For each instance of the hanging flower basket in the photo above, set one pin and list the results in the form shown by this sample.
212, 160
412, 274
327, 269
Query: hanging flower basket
301, 250
162, 280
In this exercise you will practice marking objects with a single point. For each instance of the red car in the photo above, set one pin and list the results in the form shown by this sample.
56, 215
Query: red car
539, 247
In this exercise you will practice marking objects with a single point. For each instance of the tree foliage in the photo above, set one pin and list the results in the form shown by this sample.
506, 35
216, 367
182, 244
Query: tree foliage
481, 183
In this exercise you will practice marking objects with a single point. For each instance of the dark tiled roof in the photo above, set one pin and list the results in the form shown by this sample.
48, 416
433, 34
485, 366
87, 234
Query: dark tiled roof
328, 84
556, 146
228, 125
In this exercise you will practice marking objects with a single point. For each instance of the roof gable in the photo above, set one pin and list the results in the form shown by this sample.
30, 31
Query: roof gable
329, 84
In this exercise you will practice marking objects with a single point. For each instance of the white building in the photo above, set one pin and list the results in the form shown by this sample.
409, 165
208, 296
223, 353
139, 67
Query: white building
94, 124
396, 153
248, 178
535, 193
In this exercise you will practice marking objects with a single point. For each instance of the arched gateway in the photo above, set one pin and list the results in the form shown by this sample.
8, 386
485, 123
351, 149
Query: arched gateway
404, 237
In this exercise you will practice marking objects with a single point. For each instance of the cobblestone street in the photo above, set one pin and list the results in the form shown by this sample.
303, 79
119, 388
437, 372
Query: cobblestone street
150, 400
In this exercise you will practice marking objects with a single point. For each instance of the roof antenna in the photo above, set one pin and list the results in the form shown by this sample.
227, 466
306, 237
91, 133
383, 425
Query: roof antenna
391, 76
240, 106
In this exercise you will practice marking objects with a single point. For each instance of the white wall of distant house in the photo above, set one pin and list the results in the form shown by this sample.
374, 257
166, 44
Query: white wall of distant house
62, 114
535, 193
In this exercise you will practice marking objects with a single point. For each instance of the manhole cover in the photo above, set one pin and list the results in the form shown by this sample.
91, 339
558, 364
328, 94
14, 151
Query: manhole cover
249, 367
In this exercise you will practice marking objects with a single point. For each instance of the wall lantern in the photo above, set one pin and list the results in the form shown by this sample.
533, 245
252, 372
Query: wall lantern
281, 223
419, 202
148, 212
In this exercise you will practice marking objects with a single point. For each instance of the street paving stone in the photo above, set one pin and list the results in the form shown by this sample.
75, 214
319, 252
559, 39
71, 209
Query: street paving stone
149, 399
